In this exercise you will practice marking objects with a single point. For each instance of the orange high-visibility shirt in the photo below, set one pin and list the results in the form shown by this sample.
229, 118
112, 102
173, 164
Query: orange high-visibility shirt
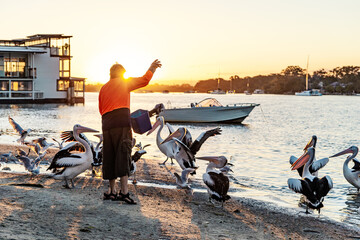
115, 93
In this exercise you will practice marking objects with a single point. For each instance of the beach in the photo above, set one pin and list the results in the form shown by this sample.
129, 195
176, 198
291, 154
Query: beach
39, 207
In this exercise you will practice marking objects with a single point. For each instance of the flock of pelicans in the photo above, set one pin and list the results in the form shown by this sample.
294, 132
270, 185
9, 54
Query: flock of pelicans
79, 155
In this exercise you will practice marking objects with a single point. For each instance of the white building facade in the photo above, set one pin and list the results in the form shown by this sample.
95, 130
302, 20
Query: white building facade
37, 69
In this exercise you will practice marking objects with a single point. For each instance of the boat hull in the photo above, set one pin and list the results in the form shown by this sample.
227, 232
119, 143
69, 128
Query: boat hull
233, 114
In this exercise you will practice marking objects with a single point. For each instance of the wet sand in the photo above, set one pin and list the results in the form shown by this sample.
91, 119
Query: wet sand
38, 207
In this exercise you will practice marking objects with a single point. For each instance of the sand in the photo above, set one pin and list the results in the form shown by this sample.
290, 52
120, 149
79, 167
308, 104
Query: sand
39, 207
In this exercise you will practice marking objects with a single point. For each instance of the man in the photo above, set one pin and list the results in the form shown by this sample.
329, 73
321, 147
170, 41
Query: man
114, 107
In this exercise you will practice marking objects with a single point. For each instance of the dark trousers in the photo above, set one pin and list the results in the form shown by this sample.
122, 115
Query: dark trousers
117, 147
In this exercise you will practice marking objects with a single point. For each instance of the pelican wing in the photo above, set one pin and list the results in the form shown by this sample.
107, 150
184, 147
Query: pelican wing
196, 145
356, 166
184, 156
324, 185
318, 164
64, 153
220, 183
16, 126
292, 160
70, 161
295, 185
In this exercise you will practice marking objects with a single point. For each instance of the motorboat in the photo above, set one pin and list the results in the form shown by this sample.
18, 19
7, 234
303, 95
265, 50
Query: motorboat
311, 92
208, 110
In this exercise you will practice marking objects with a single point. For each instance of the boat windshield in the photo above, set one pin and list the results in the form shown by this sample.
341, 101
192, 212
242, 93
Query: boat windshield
208, 102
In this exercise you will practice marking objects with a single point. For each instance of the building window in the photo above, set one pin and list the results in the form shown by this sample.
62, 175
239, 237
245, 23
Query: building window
14, 66
64, 68
2, 73
63, 85
4, 95
79, 86
4, 85
21, 86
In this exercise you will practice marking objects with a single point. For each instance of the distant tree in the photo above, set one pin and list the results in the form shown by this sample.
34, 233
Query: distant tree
293, 71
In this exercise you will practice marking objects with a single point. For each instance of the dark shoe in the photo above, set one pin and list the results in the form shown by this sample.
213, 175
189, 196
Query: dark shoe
109, 196
126, 198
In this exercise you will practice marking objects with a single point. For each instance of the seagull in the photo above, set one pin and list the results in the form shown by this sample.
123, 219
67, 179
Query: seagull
43, 143
182, 181
168, 148
316, 165
73, 164
312, 187
217, 183
21, 152
31, 165
23, 133
35, 147
6, 156
60, 144
352, 175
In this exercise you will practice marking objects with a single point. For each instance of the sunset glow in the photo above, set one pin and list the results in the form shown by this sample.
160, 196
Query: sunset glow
196, 40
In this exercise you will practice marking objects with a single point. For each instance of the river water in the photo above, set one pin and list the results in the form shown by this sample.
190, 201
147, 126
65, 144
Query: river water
260, 147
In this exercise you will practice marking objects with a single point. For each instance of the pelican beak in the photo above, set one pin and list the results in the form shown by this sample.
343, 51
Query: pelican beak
349, 150
208, 158
156, 124
177, 134
309, 144
86, 129
300, 161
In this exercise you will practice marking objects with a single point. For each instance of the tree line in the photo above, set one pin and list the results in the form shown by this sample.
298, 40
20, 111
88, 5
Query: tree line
340, 80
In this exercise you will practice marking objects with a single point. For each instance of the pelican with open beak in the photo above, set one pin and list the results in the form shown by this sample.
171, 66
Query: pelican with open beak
313, 188
352, 175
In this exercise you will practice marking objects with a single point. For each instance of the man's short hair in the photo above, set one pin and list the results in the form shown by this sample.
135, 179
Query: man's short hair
117, 70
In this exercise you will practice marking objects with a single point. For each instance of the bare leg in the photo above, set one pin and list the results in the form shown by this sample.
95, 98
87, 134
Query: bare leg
112, 187
124, 184
172, 162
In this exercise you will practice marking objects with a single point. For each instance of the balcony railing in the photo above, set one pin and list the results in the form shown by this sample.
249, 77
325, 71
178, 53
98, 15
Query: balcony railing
27, 73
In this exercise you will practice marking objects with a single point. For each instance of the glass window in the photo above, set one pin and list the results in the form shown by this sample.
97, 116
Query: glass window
4, 85
2, 72
63, 85
79, 86
21, 86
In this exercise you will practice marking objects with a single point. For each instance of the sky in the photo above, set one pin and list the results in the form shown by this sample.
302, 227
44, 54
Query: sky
194, 39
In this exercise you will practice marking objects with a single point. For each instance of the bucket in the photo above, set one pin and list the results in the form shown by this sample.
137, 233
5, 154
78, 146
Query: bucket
140, 121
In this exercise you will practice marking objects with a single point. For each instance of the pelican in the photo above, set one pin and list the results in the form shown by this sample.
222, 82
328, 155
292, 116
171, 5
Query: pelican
352, 175
217, 183
313, 188
185, 150
73, 163
317, 164
23, 133
98, 151
182, 181
167, 149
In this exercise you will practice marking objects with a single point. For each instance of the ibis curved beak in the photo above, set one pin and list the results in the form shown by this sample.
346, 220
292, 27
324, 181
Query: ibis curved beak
156, 124
349, 150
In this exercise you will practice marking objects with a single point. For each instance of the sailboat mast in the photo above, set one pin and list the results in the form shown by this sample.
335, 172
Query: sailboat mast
307, 74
